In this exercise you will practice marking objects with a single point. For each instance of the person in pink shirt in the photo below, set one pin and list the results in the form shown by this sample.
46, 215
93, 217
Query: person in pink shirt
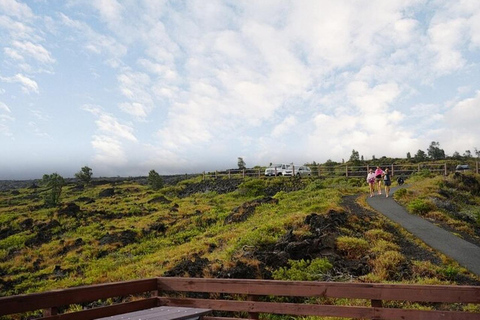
378, 179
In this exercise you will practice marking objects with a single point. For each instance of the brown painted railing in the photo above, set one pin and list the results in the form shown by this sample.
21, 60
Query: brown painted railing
246, 299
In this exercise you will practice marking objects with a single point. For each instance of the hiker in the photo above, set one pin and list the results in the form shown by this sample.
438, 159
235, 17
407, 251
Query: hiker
378, 179
387, 181
371, 181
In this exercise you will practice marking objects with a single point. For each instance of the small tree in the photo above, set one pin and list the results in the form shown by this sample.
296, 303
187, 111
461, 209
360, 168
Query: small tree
420, 156
435, 152
53, 184
241, 163
355, 157
84, 175
456, 155
409, 156
154, 180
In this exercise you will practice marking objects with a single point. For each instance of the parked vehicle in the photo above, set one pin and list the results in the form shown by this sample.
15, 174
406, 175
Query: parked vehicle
462, 168
303, 171
279, 170
287, 170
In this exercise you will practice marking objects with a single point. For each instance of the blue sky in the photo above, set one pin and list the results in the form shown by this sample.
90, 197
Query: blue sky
186, 86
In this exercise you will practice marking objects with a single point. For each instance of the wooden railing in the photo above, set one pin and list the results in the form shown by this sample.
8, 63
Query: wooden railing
246, 299
350, 171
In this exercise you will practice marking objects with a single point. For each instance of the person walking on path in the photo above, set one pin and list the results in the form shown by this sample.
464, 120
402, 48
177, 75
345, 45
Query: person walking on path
378, 179
387, 180
371, 181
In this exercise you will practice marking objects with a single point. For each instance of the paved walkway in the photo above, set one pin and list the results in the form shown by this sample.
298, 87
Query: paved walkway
465, 253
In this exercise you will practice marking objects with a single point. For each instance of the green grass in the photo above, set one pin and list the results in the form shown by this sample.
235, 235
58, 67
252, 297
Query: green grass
191, 225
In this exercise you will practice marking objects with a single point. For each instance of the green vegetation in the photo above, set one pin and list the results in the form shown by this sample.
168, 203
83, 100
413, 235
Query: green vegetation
453, 201
84, 175
211, 229
304, 270
154, 180
53, 184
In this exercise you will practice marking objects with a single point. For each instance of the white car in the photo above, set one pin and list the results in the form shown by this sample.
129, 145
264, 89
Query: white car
303, 171
279, 170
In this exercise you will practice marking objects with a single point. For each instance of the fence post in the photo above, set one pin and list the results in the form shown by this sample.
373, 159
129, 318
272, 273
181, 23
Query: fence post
376, 304
346, 171
445, 166
229, 175
53, 311
392, 170
253, 315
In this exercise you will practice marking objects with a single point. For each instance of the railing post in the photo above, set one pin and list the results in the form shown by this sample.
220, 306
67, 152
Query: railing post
229, 175
346, 171
376, 304
53, 311
445, 166
253, 315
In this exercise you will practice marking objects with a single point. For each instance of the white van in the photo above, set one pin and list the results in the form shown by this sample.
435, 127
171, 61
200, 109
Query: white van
279, 170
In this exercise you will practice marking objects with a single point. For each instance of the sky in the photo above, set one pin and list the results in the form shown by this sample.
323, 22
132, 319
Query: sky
125, 87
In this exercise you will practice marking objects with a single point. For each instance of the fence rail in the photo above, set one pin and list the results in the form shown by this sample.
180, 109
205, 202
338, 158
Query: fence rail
245, 299
349, 171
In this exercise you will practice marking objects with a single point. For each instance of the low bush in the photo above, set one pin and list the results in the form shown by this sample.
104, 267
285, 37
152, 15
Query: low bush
304, 270
353, 248
386, 264
252, 188
420, 206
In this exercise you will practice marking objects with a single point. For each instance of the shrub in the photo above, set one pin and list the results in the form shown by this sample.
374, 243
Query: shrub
303, 270
400, 193
386, 264
383, 246
354, 248
420, 206
449, 272
252, 188
378, 234
154, 180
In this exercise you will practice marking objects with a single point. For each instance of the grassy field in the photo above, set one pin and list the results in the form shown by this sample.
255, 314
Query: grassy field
322, 229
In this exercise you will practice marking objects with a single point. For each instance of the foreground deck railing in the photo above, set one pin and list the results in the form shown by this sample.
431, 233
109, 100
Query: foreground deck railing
241, 298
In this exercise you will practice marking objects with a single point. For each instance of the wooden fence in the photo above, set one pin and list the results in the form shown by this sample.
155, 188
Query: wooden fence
350, 171
247, 299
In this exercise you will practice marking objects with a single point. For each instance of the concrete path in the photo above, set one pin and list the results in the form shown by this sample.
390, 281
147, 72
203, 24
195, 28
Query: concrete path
465, 253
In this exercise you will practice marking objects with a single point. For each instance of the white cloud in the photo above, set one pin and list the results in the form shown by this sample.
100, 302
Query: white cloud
15, 9
5, 120
463, 119
135, 87
4, 107
109, 125
35, 51
96, 42
109, 151
284, 127
28, 85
